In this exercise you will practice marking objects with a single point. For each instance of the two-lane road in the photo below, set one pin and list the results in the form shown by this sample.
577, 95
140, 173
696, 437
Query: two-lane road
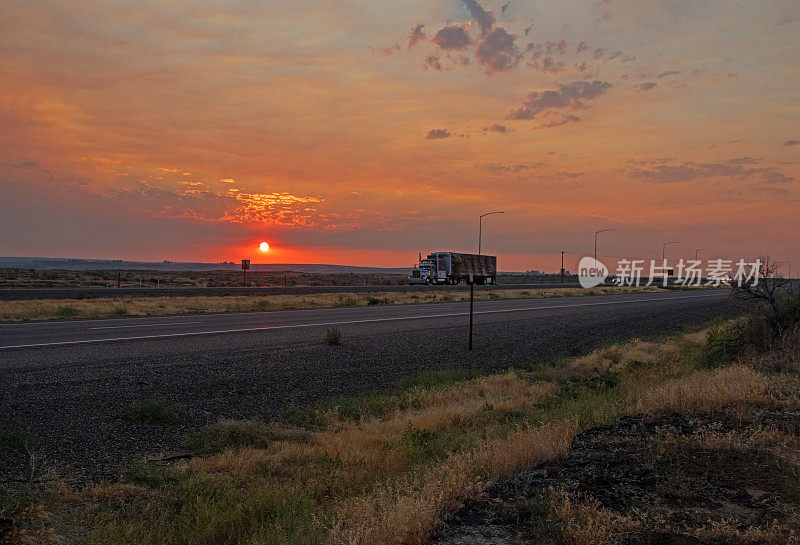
57, 333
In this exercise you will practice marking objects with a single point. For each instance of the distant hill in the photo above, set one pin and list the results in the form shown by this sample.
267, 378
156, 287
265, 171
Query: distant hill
103, 264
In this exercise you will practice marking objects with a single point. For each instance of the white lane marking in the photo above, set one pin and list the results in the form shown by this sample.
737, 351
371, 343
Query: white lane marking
340, 322
144, 325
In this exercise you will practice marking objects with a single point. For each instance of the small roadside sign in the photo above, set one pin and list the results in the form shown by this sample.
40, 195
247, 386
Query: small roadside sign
245, 264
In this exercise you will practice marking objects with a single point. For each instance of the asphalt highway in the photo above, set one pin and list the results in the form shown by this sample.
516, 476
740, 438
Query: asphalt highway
55, 333
69, 385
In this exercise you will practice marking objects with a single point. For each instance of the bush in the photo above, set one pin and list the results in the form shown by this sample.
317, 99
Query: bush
156, 412
379, 301
67, 312
333, 336
723, 345
766, 324
120, 311
239, 434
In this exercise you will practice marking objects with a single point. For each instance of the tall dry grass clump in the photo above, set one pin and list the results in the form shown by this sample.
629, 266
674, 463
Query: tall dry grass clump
407, 514
583, 520
705, 391
46, 309
619, 356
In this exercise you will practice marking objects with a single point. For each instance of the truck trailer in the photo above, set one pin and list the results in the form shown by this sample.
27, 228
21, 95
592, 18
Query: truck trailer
454, 268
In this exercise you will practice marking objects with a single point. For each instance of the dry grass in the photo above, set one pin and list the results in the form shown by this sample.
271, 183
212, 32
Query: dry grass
621, 356
369, 445
583, 521
705, 391
727, 531
785, 446
46, 309
408, 513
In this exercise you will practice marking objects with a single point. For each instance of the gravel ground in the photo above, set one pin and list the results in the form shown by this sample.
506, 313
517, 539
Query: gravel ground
680, 490
73, 401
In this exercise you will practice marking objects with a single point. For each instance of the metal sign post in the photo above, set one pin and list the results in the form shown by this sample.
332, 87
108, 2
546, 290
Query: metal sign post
245, 266
471, 299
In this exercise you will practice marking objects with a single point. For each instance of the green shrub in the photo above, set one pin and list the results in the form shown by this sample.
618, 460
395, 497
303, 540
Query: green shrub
723, 344
67, 312
120, 311
765, 324
155, 411
240, 433
12, 439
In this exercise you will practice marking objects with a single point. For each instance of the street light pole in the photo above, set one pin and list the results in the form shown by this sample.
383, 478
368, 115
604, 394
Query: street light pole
480, 227
595, 240
664, 249
472, 276
697, 253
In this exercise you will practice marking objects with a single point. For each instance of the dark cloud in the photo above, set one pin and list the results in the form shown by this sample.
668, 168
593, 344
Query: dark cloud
484, 18
790, 143
563, 121
416, 34
528, 29
547, 65
658, 161
537, 50
646, 86
26, 164
379, 50
583, 46
433, 62
502, 129
497, 51
567, 174
452, 37
505, 6
438, 134
692, 171
668, 73
499, 168
745, 161
570, 96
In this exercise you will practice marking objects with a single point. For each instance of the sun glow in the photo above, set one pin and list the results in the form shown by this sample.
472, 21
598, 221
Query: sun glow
264, 247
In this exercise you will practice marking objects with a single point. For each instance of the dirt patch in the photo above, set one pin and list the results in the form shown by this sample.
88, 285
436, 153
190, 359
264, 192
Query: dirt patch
714, 478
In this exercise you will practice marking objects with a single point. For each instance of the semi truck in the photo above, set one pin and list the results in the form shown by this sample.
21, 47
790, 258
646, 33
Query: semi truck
454, 268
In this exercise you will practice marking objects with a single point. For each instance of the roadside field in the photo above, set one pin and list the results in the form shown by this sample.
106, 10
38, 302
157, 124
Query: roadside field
47, 309
394, 468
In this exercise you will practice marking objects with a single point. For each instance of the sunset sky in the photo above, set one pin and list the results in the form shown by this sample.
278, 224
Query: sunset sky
363, 132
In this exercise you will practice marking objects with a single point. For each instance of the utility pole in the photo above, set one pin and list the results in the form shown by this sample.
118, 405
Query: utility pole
562, 266
119, 278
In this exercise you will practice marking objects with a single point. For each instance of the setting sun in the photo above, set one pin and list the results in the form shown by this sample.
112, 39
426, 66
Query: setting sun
264, 247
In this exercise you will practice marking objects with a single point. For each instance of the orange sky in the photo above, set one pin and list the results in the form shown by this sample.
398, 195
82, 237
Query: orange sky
363, 132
